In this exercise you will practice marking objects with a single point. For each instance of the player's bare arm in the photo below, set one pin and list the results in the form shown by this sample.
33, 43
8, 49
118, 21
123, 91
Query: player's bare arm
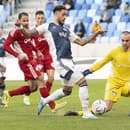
27, 32
88, 39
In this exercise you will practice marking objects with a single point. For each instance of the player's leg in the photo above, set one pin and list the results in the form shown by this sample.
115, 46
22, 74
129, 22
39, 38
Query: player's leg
84, 97
30, 74
58, 94
112, 93
2, 89
126, 91
33, 87
111, 96
50, 76
26, 99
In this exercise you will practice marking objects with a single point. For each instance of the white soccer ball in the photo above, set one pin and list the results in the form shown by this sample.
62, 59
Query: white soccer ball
99, 106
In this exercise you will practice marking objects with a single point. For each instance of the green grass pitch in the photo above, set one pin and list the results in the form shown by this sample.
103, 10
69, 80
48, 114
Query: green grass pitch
20, 117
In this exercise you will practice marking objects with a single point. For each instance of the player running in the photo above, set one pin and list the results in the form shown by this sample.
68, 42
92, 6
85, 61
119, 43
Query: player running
64, 64
46, 60
28, 58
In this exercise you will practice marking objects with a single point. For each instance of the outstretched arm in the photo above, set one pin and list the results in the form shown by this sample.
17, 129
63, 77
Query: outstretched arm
88, 39
42, 29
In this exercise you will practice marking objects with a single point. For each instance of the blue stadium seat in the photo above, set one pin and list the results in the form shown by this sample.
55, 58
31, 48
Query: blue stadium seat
117, 33
111, 27
88, 31
87, 19
90, 2
49, 6
118, 12
116, 19
95, 6
73, 13
125, 18
109, 33
98, 1
80, 1
82, 13
91, 12
78, 6
47, 13
128, 26
104, 25
86, 6
86, 26
112, 12
121, 26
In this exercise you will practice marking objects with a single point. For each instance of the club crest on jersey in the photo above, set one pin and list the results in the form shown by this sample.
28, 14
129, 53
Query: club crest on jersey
113, 93
39, 67
41, 39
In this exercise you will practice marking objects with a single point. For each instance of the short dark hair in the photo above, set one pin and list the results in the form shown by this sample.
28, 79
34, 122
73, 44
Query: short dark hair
59, 8
126, 32
39, 12
21, 14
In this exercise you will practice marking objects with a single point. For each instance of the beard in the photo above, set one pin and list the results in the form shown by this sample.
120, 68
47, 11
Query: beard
125, 47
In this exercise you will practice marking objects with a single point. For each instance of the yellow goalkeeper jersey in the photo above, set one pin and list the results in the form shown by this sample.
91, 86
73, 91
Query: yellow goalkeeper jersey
120, 64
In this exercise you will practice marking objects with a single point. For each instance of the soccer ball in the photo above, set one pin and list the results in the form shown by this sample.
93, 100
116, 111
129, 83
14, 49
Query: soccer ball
99, 107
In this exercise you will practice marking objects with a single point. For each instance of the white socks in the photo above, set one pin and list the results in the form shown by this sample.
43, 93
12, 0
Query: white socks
83, 95
54, 96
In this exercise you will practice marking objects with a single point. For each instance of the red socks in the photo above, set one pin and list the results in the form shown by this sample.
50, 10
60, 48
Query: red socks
49, 85
20, 91
44, 93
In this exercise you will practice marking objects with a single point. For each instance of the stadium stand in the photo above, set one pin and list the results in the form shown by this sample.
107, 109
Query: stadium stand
89, 11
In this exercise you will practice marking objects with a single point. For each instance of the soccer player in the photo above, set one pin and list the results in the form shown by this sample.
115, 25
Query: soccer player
2, 84
27, 56
118, 82
47, 61
64, 64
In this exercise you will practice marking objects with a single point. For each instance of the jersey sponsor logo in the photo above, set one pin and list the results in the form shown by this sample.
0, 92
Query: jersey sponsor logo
63, 34
27, 40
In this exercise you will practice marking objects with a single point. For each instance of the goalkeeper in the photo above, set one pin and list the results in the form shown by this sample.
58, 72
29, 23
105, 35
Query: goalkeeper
118, 82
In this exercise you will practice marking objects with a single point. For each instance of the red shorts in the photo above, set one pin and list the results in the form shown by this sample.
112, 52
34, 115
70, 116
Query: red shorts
47, 63
31, 69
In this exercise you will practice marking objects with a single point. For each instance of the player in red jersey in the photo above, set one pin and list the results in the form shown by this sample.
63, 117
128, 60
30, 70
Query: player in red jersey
27, 55
42, 45
47, 62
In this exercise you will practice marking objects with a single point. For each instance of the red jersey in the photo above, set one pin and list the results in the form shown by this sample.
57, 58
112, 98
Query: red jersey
42, 45
24, 44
